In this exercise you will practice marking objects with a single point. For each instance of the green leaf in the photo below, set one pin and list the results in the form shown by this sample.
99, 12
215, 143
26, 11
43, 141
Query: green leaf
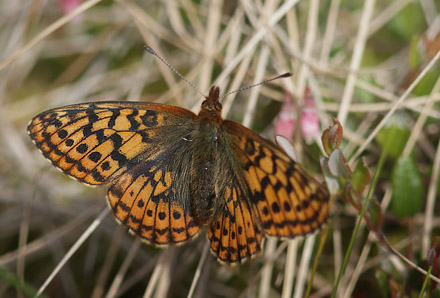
414, 57
406, 183
361, 176
408, 21
331, 137
337, 164
331, 181
426, 84
393, 137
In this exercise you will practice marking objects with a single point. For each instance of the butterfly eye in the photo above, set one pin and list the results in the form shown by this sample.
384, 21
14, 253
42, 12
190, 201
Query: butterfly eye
218, 106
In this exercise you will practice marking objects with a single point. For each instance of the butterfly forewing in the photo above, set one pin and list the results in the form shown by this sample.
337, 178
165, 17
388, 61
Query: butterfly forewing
97, 142
287, 201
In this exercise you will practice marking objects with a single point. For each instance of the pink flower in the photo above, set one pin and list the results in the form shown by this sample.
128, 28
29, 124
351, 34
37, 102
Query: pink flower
309, 121
68, 6
285, 123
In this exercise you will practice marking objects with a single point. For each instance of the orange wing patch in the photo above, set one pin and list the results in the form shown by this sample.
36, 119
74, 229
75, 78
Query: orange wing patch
234, 234
147, 204
286, 199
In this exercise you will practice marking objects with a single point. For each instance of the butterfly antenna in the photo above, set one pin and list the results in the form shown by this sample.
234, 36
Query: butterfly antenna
153, 52
284, 75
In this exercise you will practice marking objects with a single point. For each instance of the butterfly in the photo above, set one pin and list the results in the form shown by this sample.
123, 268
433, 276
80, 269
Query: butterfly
172, 171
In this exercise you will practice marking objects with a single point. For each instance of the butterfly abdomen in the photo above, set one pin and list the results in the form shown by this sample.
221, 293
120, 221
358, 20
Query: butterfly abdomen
202, 194
203, 171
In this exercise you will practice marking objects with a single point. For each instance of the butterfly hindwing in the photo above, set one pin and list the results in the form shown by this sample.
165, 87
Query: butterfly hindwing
287, 201
146, 202
97, 142
234, 233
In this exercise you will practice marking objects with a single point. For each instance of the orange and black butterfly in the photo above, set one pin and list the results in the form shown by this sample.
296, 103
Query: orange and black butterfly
171, 172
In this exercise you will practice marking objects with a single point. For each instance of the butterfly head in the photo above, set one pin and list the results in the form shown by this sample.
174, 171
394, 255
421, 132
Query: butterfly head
211, 107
